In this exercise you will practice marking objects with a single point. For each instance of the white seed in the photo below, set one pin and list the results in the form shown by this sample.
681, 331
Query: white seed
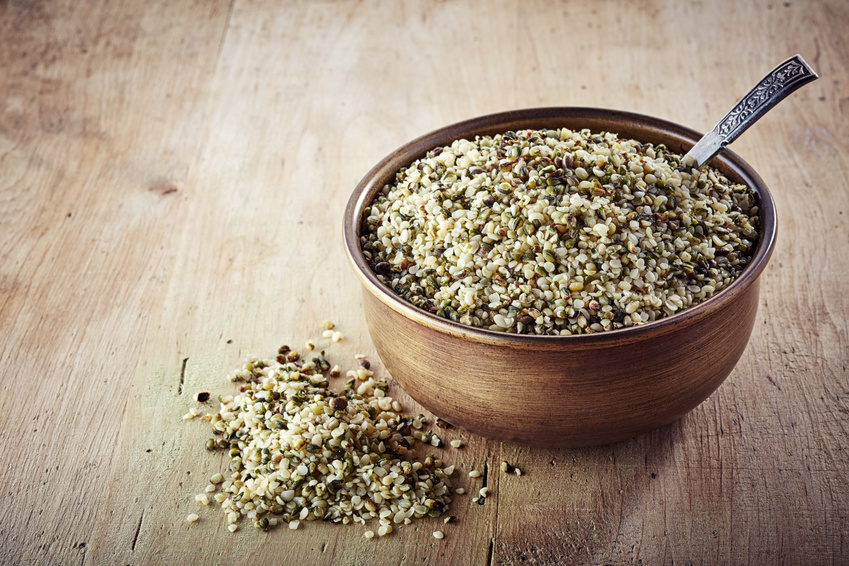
456, 443
438, 535
484, 491
459, 491
294, 524
474, 474
233, 527
368, 534
193, 517
216, 479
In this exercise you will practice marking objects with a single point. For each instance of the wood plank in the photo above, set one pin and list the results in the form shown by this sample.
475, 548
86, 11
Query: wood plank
87, 216
172, 179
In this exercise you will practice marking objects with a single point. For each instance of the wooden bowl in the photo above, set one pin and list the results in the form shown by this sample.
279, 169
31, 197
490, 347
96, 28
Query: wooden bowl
563, 391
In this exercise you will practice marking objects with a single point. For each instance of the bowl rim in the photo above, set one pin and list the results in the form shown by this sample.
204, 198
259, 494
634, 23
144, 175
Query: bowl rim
728, 162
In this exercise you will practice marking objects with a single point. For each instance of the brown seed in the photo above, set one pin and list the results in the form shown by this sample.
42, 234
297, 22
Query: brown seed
339, 404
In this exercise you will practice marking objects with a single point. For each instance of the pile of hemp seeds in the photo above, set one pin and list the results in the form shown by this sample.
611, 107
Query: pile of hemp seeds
301, 451
558, 232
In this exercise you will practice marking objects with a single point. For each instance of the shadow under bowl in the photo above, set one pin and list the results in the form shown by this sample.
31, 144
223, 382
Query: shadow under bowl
561, 391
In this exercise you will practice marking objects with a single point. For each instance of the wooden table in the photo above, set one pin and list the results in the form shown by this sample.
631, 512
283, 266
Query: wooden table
172, 181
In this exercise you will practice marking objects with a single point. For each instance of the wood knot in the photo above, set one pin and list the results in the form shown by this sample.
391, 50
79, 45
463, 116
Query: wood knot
163, 188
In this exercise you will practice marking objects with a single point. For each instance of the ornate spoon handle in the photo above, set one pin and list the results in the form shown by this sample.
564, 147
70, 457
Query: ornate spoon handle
772, 89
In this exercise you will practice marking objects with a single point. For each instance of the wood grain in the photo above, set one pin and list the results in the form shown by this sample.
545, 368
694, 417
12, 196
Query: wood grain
172, 182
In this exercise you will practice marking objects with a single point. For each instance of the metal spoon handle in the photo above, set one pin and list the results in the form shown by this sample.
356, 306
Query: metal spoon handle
772, 89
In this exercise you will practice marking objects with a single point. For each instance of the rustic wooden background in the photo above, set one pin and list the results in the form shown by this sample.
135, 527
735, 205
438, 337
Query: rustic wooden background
172, 180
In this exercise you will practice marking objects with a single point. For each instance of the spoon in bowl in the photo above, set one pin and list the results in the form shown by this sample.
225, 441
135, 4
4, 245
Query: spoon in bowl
772, 89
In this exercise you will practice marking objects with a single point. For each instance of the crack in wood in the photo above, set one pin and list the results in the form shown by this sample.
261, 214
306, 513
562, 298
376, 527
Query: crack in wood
138, 530
182, 376
490, 553
224, 30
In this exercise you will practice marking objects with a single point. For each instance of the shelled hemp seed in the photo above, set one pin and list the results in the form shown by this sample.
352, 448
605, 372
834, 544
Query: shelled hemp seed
300, 451
558, 232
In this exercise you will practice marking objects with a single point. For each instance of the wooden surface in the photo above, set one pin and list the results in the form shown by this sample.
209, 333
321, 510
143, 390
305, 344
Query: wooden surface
172, 180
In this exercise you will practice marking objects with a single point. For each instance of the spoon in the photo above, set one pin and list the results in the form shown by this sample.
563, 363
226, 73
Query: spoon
772, 89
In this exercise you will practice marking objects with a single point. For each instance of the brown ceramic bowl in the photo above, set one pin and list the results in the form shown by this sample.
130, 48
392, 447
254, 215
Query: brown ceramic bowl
564, 391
